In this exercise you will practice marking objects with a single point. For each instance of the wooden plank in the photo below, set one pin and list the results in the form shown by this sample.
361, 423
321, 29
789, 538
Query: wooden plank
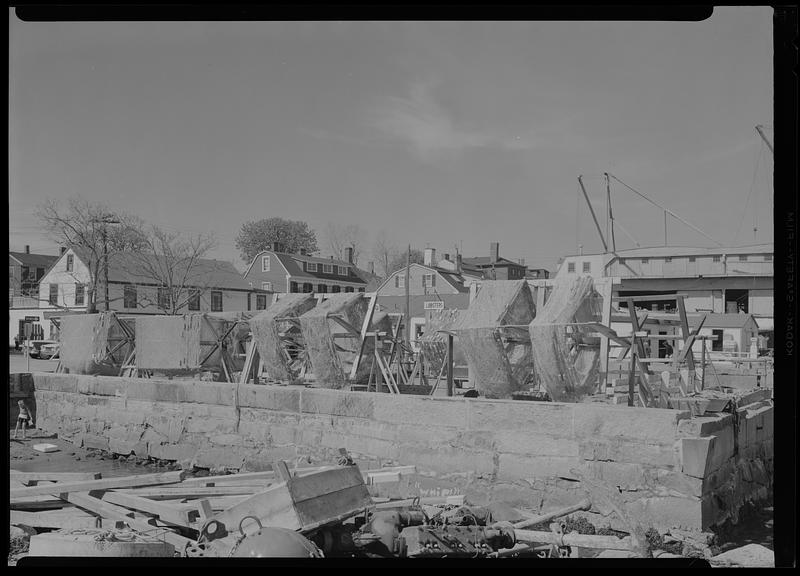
165, 512
71, 517
324, 482
113, 512
248, 362
606, 291
651, 297
179, 492
29, 478
102, 484
282, 470
245, 477
345, 324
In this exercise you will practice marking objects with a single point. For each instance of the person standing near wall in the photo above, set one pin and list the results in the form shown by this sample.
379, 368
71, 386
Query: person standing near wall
23, 418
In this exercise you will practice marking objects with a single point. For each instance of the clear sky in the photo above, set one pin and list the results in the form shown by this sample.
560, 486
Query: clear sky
438, 133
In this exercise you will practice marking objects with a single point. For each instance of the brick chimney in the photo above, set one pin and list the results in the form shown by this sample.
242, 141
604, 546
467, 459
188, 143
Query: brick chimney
27, 249
348, 254
430, 257
458, 263
494, 252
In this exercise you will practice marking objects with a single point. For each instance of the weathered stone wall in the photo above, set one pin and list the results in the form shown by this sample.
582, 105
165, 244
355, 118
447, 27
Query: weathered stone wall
666, 469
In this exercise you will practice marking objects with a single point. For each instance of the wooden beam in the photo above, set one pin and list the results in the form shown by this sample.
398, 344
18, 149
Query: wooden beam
30, 478
651, 297
102, 484
113, 512
166, 512
364, 329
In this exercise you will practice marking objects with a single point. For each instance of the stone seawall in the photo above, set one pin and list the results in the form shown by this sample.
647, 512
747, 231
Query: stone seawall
665, 468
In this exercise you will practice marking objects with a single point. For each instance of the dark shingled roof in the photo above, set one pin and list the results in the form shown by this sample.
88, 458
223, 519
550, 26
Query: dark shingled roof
34, 260
128, 268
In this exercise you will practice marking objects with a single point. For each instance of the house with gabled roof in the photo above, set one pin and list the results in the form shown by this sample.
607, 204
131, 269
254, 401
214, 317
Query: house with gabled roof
205, 285
25, 270
275, 270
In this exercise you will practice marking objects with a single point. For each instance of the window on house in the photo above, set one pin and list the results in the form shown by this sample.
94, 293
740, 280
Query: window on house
622, 260
400, 281
194, 300
163, 298
645, 260
79, 294
767, 257
342, 270
216, 301
261, 301
39, 273
293, 287
266, 286
327, 268
360, 289
25, 273
668, 259
692, 259
336, 289
571, 267
308, 287
348, 288
716, 258
265, 263
587, 267
743, 258
429, 280
311, 266
129, 300
322, 288
70, 262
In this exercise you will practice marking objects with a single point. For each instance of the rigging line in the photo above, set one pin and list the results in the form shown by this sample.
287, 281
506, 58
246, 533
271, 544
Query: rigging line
628, 234
693, 227
749, 194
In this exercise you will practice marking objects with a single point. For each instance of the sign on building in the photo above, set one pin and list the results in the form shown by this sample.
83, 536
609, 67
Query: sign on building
434, 305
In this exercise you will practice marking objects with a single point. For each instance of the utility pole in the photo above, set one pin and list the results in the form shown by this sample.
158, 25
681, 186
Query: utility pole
594, 217
408, 296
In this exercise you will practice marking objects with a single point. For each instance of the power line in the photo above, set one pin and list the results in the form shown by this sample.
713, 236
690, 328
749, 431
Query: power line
667, 210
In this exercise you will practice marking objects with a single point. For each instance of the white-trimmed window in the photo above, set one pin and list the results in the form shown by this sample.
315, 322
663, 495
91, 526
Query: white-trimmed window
743, 258
587, 267
399, 281
261, 301
327, 268
342, 270
265, 263
429, 281
79, 294
570, 267
311, 266
70, 262
216, 301
266, 286
129, 296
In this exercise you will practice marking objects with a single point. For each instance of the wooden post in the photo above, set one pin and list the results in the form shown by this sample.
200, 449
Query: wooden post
703, 365
449, 364
607, 292
632, 372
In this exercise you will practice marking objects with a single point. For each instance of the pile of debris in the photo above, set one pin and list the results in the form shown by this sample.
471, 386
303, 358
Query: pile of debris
325, 511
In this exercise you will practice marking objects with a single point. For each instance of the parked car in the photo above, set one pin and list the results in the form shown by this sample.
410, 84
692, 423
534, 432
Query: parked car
49, 351
34, 347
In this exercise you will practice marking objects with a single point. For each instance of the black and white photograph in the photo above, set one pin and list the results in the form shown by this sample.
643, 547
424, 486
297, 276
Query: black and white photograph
394, 287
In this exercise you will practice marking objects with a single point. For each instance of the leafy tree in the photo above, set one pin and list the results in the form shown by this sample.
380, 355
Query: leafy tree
255, 236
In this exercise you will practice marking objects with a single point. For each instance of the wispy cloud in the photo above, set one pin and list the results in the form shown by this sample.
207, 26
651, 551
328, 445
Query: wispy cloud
421, 122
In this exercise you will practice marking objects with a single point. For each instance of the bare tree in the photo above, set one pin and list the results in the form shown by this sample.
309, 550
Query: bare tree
340, 237
383, 253
94, 229
175, 265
